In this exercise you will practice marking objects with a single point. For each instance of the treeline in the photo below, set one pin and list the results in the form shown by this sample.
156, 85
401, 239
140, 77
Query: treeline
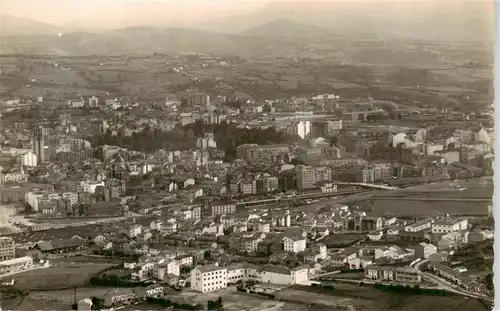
412, 290
165, 303
111, 280
228, 137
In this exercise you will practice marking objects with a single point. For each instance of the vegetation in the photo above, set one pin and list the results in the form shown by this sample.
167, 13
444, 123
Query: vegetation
228, 137
114, 281
168, 303
215, 304
409, 290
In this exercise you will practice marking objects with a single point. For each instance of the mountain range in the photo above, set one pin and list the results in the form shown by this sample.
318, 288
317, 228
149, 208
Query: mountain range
278, 26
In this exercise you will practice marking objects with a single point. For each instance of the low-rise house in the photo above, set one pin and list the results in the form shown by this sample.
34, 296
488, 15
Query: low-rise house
119, 297
375, 235
152, 291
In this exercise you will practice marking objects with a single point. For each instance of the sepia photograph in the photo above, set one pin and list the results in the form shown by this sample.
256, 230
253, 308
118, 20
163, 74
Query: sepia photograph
247, 155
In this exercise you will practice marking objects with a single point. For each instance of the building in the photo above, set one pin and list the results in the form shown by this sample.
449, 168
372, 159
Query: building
84, 305
301, 128
309, 176
419, 225
16, 265
119, 297
449, 225
41, 136
294, 244
424, 250
261, 153
284, 276
7, 248
223, 208
393, 274
208, 278
242, 272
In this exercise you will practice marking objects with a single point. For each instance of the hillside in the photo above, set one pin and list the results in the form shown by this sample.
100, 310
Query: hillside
18, 26
286, 28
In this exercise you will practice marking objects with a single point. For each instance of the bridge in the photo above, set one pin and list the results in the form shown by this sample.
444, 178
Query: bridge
364, 185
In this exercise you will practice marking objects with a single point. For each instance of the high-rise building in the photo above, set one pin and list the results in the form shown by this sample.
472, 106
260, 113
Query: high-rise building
41, 148
7, 248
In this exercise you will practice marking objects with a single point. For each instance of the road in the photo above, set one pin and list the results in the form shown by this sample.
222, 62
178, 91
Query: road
445, 285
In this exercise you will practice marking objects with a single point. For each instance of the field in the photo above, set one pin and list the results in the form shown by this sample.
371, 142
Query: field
366, 298
235, 301
342, 239
58, 299
60, 276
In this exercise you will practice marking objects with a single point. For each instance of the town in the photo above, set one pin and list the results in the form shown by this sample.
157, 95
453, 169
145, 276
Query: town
202, 181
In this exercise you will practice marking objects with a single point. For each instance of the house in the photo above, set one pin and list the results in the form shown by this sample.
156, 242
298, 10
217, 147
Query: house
185, 260
375, 235
449, 274
165, 269
208, 278
144, 271
152, 291
84, 305
119, 297
424, 250
393, 252
315, 253
419, 225
294, 243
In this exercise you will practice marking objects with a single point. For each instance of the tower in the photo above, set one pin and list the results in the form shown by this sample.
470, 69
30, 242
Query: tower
41, 144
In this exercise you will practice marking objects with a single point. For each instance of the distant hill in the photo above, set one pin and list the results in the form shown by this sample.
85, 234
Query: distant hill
286, 28
19, 26
434, 20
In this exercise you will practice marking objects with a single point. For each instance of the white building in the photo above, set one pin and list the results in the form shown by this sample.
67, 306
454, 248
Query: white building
449, 225
16, 265
284, 276
208, 278
27, 158
242, 272
294, 244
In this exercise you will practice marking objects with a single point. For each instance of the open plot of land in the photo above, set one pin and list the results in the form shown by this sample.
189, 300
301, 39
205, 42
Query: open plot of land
60, 299
370, 299
61, 276
342, 239
235, 301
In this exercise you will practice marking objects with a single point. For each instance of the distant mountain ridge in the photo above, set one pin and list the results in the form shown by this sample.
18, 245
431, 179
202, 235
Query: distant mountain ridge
19, 26
286, 28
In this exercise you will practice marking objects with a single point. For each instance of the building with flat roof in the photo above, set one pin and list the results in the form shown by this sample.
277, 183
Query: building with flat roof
7, 248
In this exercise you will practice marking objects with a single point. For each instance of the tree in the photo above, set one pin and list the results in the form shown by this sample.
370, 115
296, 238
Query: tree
219, 303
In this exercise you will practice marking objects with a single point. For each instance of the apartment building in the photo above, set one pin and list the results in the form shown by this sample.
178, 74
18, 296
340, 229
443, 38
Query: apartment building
208, 278
309, 176
393, 274
294, 244
242, 272
424, 250
7, 248
223, 208
449, 225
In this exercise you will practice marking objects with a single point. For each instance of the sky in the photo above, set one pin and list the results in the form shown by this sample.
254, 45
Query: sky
122, 13
115, 13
